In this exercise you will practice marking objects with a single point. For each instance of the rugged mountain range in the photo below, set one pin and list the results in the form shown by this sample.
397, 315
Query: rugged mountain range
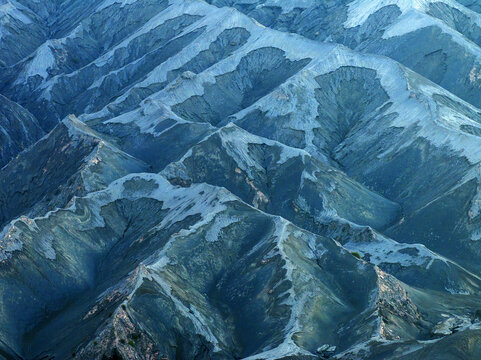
276, 179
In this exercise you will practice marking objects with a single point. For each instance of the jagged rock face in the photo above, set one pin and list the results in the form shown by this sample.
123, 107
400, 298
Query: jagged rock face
70, 161
166, 264
240, 180
257, 170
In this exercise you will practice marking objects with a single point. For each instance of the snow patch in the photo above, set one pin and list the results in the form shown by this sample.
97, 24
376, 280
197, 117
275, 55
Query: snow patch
475, 209
150, 114
409, 22
221, 222
413, 17
13, 10
296, 301
77, 128
40, 64
236, 140
414, 20
108, 3
386, 251
199, 199
360, 10
10, 240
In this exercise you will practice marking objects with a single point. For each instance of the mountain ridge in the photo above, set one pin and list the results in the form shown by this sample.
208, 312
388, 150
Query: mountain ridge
233, 187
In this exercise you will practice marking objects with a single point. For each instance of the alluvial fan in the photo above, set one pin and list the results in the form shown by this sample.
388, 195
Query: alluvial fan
240, 179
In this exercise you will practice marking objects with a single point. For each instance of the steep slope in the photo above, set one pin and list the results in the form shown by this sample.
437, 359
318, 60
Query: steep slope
340, 105
115, 270
471, 4
439, 39
291, 183
153, 133
18, 130
17, 20
279, 179
70, 161
92, 36
305, 200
